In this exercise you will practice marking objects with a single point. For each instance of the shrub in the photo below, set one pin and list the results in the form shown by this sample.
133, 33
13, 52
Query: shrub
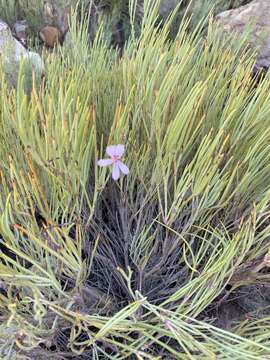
97, 269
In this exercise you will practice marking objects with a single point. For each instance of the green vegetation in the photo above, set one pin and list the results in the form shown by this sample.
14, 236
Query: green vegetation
97, 269
115, 10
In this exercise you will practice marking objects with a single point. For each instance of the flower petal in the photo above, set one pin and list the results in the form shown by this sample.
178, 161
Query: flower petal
115, 171
105, 162
123, 167
115, 150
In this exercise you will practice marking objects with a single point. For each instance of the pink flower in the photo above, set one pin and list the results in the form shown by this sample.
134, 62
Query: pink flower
115, 152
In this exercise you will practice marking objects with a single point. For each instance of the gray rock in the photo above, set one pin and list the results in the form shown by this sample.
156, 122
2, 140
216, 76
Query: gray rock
166, 6
19, 29
12, 52
254, 19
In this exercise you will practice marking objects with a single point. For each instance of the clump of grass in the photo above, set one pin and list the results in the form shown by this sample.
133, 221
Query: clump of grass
92, 268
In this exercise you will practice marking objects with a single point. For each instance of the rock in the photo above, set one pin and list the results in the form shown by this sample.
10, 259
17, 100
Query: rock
166, 7
12, 52
69, 42
50, 35
19, 29
57, 16
256, 17
56, 19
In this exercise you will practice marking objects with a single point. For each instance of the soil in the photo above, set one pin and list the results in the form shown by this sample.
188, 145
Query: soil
248, 302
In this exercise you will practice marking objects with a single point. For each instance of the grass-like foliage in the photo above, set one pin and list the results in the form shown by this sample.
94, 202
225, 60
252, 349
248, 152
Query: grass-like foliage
97, 269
